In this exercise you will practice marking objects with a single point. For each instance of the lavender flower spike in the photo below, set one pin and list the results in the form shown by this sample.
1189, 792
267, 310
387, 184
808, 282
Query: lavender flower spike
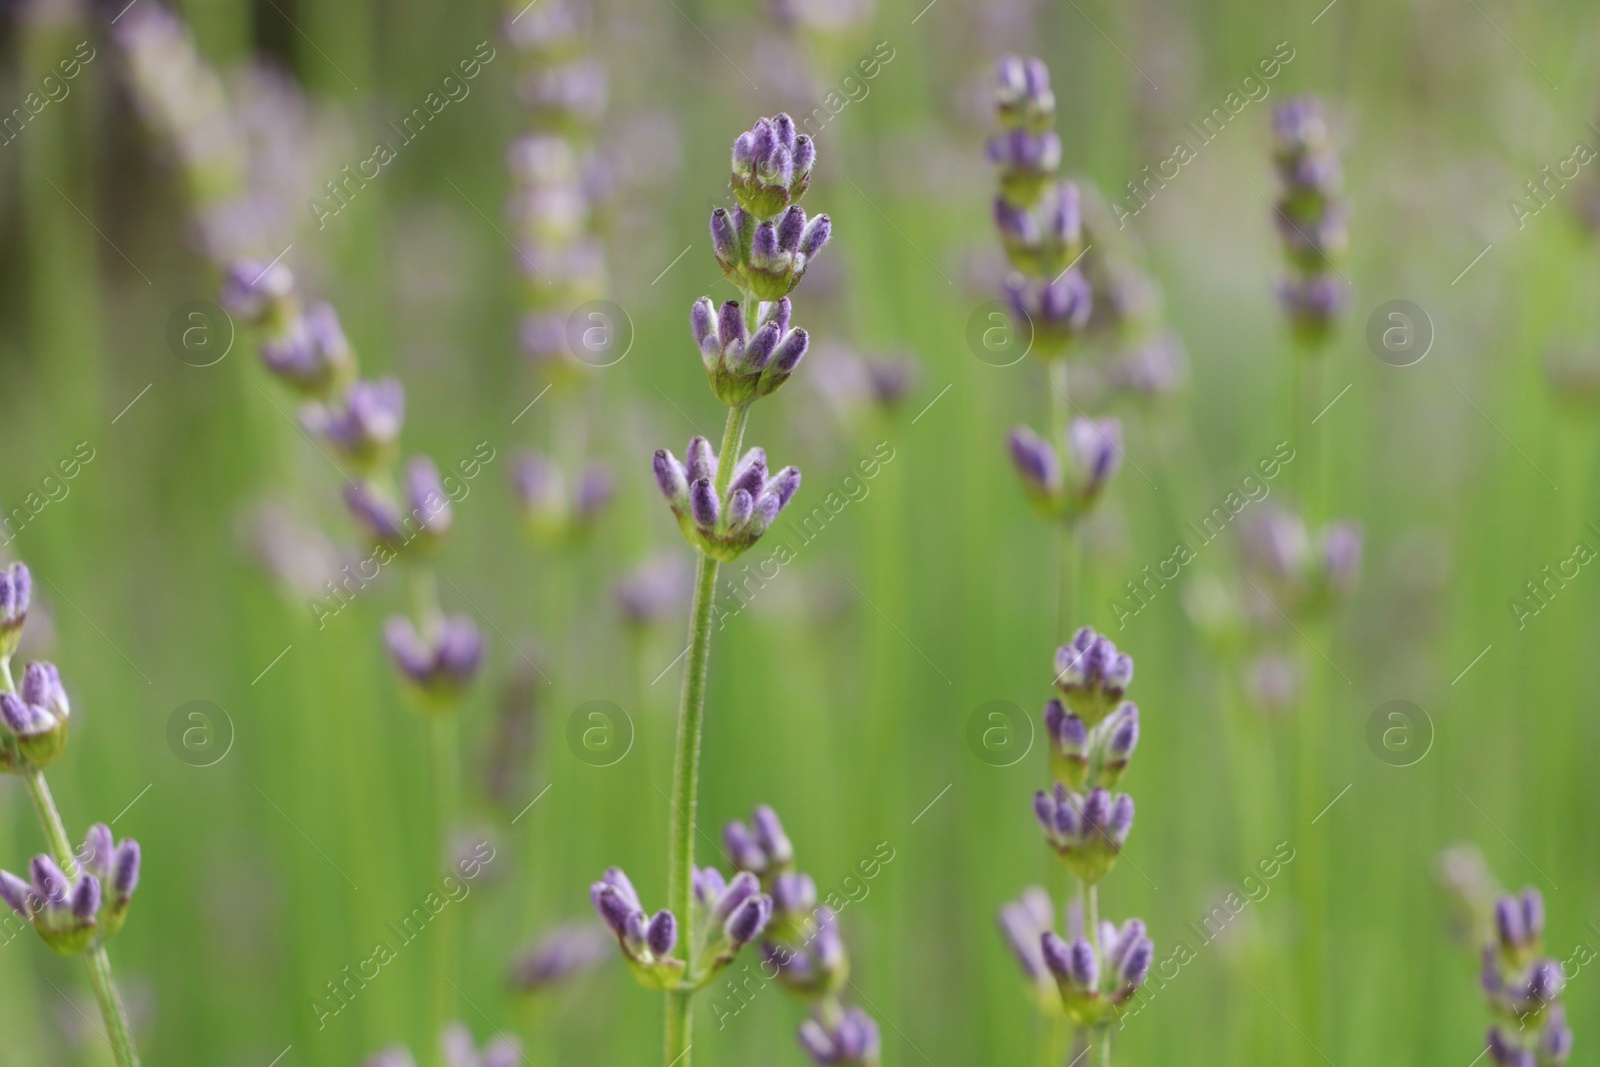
740, 366
724, 527
439, 665
771, 166
1086, 830
68, 913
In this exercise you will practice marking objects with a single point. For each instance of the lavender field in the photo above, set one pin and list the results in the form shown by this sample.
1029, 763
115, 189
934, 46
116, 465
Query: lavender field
857, 532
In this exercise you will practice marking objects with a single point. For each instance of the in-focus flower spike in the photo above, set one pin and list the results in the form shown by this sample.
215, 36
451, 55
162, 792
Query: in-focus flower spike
742, 367
439, 665
724, 527
311, 354
771, 166
1092, 675
16, 590
851, 1038
35, 718
617, 904
554, 510
1087, 830
566, 953
365, 426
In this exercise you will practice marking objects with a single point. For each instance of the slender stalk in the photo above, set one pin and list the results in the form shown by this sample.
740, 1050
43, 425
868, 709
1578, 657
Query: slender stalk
98, 962
686, 761
446, 774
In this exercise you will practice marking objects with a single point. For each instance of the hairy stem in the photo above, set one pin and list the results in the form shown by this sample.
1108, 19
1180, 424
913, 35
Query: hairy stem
686, 760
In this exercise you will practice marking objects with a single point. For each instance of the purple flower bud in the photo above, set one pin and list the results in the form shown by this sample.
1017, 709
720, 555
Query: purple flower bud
1556, 1043
769, 831
1508, 921
612, 907
744, 154
1096, 447
17, 893
1135, 964
98, 848
1096, 810
724, 238
1120, 822
805, 155
708, 885
703, 505
742, 887
759, 351
790, 351
703, 323
19, 718
1341, 555
662, 934
793, 892
777, 313
1036, 462
783, 130
125, 870
49, 884
443, 663
670, 478
250, 288
1083, 970
749, 920
568, 951
791, 224
741, 505
1532, 913
1125, 736
764, 250
86, 898
751, 473
429, 503
700, 460
784, 485
816, 234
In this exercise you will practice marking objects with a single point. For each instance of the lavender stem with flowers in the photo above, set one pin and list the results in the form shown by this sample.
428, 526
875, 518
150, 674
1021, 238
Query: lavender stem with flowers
1041, 228
723, 503
75, 899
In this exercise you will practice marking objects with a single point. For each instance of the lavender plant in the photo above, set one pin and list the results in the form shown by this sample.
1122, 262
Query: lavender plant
1090, 976
76, 900
803, 948
724, 502
1040, 222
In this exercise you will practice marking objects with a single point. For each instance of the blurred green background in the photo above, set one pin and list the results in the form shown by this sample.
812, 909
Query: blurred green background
842, 696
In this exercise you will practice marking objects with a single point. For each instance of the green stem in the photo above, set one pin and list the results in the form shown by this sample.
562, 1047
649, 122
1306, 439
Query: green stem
686, 760
99, 964
446, 791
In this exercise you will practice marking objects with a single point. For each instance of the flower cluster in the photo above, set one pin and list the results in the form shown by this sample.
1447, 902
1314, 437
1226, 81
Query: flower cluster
723, 526
1068, 487
565, 953
74, 900
1093, 972
555, 176
1306, 575
747, 346
1037, 214
360, 420
1312, 218
1524, 987
728, 914
71, 912
803, 947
